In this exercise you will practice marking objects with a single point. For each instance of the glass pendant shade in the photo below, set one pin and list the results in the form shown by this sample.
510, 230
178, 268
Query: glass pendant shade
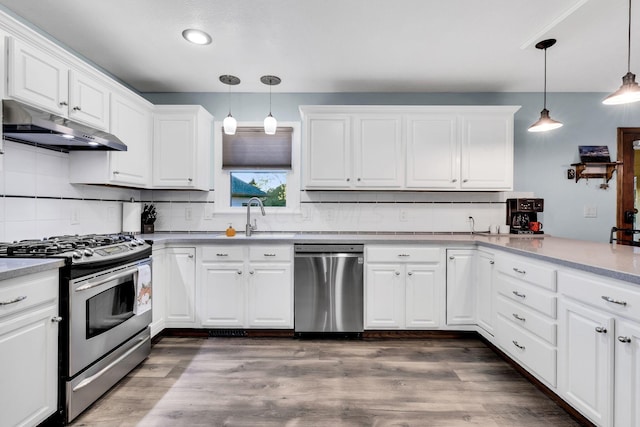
629, 92
230, 124
270, 125
545, 123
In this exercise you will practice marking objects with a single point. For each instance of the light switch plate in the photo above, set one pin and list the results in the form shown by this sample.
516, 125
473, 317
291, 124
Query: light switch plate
590, 211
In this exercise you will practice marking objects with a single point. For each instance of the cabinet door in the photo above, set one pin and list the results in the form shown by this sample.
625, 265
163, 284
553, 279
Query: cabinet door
270, 295
174, 150
378, 156
37, 78
485, 295
328, 152
627, 374
131, 123
222, 295
433, 156
29, 367
180, 287
384, 296
461, 295
88, 100
423, 302
487, 151
585, 351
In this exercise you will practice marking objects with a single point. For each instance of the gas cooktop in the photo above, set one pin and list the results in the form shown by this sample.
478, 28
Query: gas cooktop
75, 247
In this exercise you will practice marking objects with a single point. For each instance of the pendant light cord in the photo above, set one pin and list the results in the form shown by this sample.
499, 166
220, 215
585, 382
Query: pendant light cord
270, 84
229, 99
545, 79
629, 42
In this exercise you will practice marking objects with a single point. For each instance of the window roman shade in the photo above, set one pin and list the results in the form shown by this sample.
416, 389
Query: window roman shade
251, 148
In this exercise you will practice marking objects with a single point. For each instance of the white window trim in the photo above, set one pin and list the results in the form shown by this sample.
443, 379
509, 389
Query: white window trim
222, 177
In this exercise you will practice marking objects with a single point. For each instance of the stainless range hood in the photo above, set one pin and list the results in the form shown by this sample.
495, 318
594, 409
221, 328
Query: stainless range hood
26, 124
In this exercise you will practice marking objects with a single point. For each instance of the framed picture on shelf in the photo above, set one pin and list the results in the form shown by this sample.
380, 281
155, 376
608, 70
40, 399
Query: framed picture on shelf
594, 154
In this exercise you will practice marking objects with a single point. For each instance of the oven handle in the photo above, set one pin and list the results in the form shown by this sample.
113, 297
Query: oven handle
101, 281
82, 384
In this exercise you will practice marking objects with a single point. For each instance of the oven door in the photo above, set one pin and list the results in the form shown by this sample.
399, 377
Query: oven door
105, 310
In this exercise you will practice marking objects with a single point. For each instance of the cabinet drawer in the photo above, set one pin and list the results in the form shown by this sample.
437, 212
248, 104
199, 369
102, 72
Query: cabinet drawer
613, 296
402, 254
533, 353
527, 319
270, 253
223, 253
539, 274
527, 295
22, 293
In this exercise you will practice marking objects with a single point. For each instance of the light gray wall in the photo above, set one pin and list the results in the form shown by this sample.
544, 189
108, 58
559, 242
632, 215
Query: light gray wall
541, 160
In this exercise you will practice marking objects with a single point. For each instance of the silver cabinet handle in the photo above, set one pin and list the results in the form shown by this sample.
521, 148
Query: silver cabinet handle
190, 179
521, 347
270, 255
13, 301
251, 272
403, 255
614, 301
492, 262
519, 271
465, 180
397, 273
454, 180
452, 257
190, 255
359, 179
116, 172
601, 330
56, 319
239, 272
348, 179
77, 108
410, 273
522, 319
518, 294
222, 254
63, 103
624, 339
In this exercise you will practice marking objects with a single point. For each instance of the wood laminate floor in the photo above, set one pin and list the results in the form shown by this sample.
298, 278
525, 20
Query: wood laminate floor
289, 382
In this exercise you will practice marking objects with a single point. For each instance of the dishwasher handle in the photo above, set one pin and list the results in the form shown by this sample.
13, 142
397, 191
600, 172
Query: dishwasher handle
328, 255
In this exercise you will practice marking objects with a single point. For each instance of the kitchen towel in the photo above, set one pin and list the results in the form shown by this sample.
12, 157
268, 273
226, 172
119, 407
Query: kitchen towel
131, 212
143, 290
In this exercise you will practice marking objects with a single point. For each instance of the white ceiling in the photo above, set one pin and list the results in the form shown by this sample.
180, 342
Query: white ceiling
349, 45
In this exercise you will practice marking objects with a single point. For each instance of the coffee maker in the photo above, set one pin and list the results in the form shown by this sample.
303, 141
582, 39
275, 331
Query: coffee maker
521, 212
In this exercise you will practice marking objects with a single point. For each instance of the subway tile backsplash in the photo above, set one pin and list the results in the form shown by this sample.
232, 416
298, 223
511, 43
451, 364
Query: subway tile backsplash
38, 201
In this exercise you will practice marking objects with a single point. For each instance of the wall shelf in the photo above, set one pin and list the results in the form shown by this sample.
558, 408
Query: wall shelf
595, 170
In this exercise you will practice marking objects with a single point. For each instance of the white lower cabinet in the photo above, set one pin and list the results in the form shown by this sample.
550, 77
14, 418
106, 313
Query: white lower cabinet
403, 288
627, 374
29, 348
461, 292
180, 275
246, 286
485, 292
599, 348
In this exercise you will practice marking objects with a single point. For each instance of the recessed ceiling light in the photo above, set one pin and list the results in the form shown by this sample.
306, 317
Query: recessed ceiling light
196, 36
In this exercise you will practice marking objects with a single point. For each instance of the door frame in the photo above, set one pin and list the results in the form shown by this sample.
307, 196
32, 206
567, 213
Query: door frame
624, 187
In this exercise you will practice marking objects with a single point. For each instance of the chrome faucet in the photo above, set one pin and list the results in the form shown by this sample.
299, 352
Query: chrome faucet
249, 228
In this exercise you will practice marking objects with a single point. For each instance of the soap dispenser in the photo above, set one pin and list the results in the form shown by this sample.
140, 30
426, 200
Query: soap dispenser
231, 231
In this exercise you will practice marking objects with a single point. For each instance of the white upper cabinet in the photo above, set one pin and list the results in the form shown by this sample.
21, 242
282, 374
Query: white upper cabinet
408, 147
486, 155
181, 147
377, 151
131, 122
433, 152
42, 80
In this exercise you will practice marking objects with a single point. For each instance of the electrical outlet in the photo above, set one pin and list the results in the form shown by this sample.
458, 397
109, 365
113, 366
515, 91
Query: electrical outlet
404, 215
188, 214
75, 216
590, 211
208, 212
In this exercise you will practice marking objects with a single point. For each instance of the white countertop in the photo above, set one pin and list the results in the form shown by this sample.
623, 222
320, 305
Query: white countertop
615, 261
16, 267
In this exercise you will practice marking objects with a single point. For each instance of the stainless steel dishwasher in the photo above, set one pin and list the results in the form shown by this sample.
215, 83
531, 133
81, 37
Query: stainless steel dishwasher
328, 289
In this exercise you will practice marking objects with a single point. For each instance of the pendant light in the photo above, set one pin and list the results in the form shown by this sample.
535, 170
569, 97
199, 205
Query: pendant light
545, 122
229, 124
629, 91
270, 122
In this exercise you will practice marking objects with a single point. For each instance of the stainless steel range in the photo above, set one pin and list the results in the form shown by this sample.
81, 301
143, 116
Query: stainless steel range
105, 304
